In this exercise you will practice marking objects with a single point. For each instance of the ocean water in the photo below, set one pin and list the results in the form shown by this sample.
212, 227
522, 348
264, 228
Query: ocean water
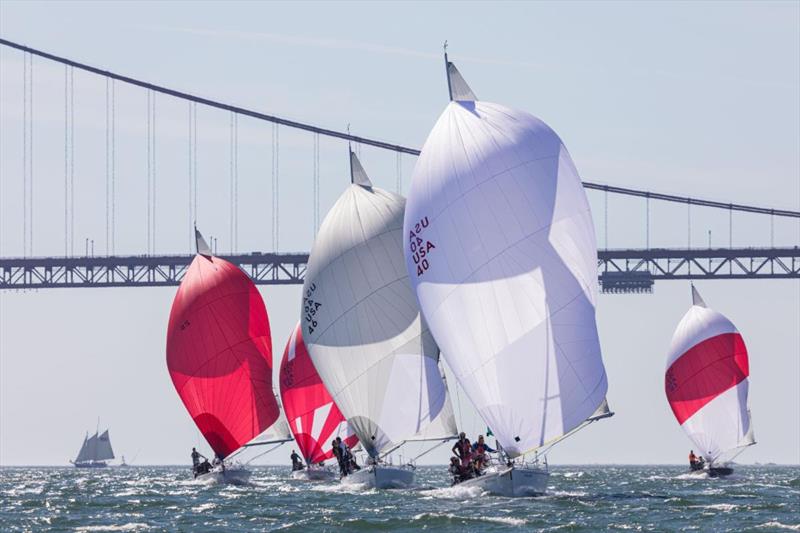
580, 498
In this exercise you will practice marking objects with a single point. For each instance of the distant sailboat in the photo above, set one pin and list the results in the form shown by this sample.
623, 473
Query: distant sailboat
500, 249
95, 451
219, 356
706, 383
364, 333
313, 416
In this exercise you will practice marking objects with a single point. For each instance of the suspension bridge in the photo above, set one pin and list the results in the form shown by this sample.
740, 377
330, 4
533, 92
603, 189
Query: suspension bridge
628, 270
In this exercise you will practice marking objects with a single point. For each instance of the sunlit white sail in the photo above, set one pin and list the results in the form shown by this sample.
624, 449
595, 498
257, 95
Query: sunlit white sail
361, 323
500, 249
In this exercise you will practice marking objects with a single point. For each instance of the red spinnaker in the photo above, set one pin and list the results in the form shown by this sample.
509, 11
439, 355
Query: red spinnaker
219, 354
313, 416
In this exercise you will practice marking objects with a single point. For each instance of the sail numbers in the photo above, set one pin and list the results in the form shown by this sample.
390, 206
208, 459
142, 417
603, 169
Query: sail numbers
420, 248
310, 308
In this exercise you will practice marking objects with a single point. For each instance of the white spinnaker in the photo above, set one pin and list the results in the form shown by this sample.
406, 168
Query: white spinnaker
361, 321
500, 248
721, 428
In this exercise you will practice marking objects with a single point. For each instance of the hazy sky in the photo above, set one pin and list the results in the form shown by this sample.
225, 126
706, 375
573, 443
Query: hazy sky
691, 98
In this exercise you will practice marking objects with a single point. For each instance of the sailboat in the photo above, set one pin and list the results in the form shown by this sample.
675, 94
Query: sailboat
706, 383
363, 330
219, 356
313, 416
95, 451
500, 249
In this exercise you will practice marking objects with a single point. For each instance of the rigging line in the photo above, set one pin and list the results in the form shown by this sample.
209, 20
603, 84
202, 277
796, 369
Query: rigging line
364, 140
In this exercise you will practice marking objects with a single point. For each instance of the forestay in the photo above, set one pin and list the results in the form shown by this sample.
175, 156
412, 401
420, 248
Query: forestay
500, 248
361, 323
706, 382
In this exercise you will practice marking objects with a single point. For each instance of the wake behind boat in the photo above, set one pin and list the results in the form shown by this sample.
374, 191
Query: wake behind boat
219, 356
501, 252
706, 383
95, 451
364, 332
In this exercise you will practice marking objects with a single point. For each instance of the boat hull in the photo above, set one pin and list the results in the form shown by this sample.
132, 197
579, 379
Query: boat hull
232, 476
720, 471
512, 482
90, 465
314, 474
381, 477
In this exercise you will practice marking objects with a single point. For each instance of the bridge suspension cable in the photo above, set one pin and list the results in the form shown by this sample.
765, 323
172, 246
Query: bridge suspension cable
372, 142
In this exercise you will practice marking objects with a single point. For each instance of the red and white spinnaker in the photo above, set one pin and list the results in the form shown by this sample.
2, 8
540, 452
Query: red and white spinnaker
312, 415
706, 383
219, 353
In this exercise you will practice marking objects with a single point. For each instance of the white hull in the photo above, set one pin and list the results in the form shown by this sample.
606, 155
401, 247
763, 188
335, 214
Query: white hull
234, 476
314, 474
512, 482
381, 477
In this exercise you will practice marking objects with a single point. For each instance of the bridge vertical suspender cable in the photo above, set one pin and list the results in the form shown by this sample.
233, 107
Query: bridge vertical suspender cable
30, 160
24, 155
113, 167
72, 160
191, 180
154, 174
148, 172
66, 160
230, 182
236, 179
108, 166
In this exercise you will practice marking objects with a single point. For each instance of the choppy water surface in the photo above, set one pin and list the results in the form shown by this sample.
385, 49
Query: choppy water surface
581, 498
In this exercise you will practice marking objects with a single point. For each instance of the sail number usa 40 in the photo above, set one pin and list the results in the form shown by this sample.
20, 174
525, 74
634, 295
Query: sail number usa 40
310, 308
420, 247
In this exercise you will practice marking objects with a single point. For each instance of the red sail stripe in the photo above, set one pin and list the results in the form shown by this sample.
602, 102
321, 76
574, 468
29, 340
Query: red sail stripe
302, 394
704, 372
219, 354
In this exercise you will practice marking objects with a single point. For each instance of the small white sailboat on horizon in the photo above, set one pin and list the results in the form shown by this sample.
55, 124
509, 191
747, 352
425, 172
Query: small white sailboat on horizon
95, 451
364, 332
501, 252
706, 382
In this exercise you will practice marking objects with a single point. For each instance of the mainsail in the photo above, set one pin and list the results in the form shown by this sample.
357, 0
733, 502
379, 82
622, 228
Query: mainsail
361, 322
500, 249
95, 448
219, 353
313, 416
706, 382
